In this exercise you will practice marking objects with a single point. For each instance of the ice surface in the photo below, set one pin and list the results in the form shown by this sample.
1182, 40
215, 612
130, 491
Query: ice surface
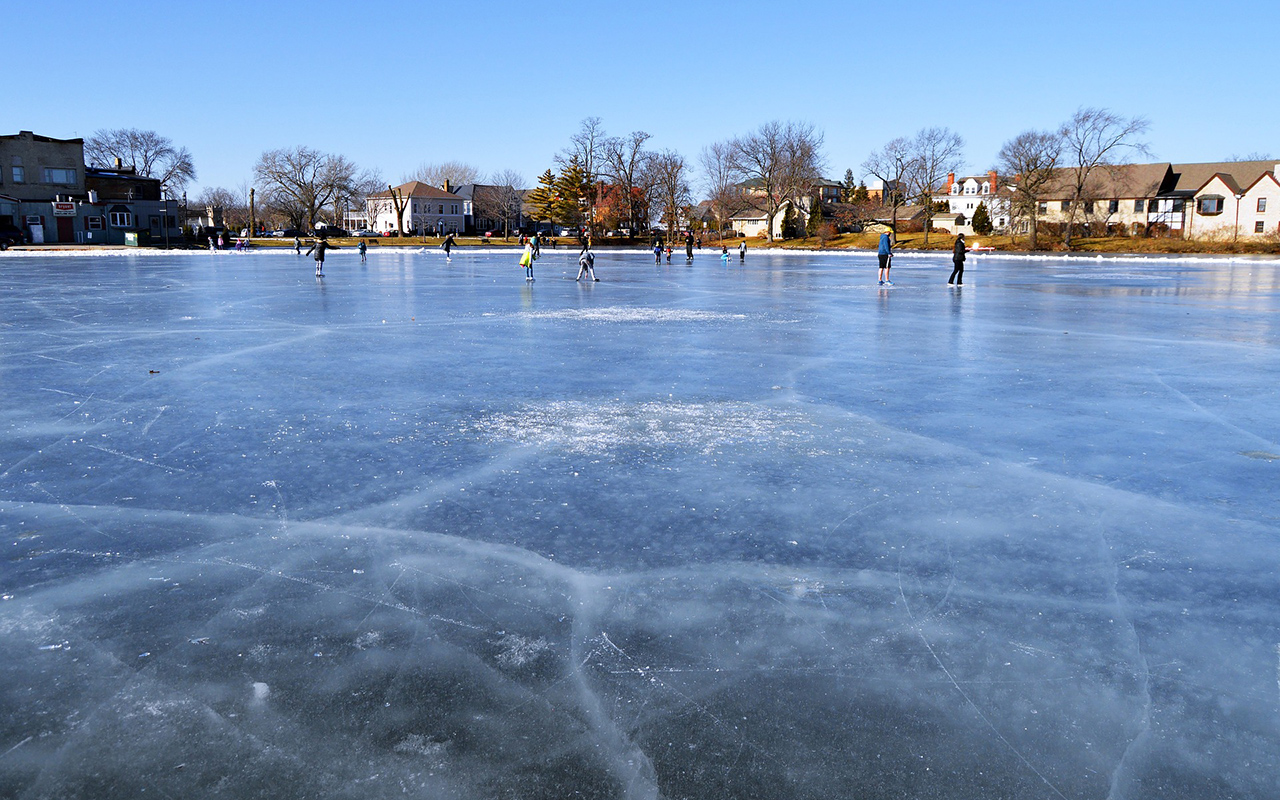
424, 529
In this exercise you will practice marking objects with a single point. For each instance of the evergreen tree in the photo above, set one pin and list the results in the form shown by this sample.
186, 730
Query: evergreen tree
981, 220
543, 199
849, 188
815, 218
789, 223
572, 187
861, 195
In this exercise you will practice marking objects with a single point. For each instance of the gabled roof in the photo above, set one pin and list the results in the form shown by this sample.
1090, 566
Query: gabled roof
1191, 178
419, 190
1113, 182
751, 213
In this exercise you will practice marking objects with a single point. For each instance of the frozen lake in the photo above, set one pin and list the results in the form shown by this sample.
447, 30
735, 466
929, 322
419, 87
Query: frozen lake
424, 529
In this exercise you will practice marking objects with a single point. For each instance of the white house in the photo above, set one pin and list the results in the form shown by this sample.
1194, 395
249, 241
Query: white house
964, 195
424, 209
1224, 208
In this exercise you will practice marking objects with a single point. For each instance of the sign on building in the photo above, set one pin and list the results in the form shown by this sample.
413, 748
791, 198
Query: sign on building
64, 209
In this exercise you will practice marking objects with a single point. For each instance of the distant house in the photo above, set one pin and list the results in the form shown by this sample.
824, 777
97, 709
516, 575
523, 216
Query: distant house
424, 209
750, 222
483, 205
964, 195
1223, 199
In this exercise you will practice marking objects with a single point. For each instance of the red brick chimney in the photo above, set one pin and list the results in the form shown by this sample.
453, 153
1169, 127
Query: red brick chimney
951, 178
991, 180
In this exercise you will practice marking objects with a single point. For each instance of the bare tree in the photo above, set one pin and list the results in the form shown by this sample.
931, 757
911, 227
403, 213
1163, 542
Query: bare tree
669, 175
457, 173
720, 180
299, 182
510, 199
782, 159
147, 152
891, 165
587, 146
934, 153
1095, 138
1030, 158
624, 159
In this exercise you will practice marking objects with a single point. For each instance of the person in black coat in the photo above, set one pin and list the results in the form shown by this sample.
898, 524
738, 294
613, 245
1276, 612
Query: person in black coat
957, 258
318, 248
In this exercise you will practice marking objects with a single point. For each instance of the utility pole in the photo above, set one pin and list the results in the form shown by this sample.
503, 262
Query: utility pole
252, 220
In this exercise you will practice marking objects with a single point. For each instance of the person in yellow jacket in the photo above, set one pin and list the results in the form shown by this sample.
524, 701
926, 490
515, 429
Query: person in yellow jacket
526, 261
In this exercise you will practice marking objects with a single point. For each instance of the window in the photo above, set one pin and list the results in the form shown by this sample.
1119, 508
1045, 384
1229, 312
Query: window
441, 211
1088, 206
19, 175
1262, 206
62, 176
1210, 205
1044, 206
93, 223
1113, 206
1066, 205
453, 209
1259, 226
121, 219
1138, 205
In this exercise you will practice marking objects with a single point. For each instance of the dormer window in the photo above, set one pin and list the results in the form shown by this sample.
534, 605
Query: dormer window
986, 188
955, 188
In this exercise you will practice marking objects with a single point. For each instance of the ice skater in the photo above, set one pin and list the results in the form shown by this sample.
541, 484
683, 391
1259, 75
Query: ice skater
537, 246
668, 254
212, 247
526, 261
587, 265
363, 248
957, 258
742, 252
885, 254
688, 247
297, 246
318, 248
657, 251
448, 246
724, 254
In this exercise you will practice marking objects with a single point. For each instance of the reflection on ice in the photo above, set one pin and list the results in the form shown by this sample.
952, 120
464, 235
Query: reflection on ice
1012, 542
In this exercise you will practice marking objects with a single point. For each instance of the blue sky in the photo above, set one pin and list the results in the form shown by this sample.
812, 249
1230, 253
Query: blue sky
503, 85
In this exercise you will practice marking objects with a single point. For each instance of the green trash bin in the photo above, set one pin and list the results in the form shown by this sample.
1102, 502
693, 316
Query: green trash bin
137, 238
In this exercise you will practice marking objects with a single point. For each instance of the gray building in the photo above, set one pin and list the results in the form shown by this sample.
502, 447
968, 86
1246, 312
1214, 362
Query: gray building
47, 192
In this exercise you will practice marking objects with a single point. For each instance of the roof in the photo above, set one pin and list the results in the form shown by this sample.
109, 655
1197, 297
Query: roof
1191, 178
750, 213
905, 213
35, 137
418, 189
1112, 181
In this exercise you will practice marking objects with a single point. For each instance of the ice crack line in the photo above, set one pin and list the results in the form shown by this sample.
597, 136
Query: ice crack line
920, 632
167, 469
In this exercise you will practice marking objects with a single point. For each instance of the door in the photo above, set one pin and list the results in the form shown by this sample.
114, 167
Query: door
66, 229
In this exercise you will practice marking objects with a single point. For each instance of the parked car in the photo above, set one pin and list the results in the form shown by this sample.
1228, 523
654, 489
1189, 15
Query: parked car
330, 232
10, 236
365, 232
287, 233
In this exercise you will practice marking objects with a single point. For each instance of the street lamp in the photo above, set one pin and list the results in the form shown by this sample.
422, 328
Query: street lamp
165, 219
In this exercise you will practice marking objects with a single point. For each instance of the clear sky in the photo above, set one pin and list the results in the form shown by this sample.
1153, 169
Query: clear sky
499, 84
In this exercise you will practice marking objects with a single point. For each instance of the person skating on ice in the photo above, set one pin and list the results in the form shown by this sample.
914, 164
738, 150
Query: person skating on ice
363, 248
657, 251
742, 252
448, 246
885, 254
526, 261
318, 248
587, 265
957, 258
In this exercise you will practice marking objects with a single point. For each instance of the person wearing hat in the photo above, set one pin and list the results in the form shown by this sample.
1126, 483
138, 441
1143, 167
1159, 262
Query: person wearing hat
957, 258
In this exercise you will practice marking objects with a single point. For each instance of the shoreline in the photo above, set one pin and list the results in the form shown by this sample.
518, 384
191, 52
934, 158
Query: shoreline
56, 250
